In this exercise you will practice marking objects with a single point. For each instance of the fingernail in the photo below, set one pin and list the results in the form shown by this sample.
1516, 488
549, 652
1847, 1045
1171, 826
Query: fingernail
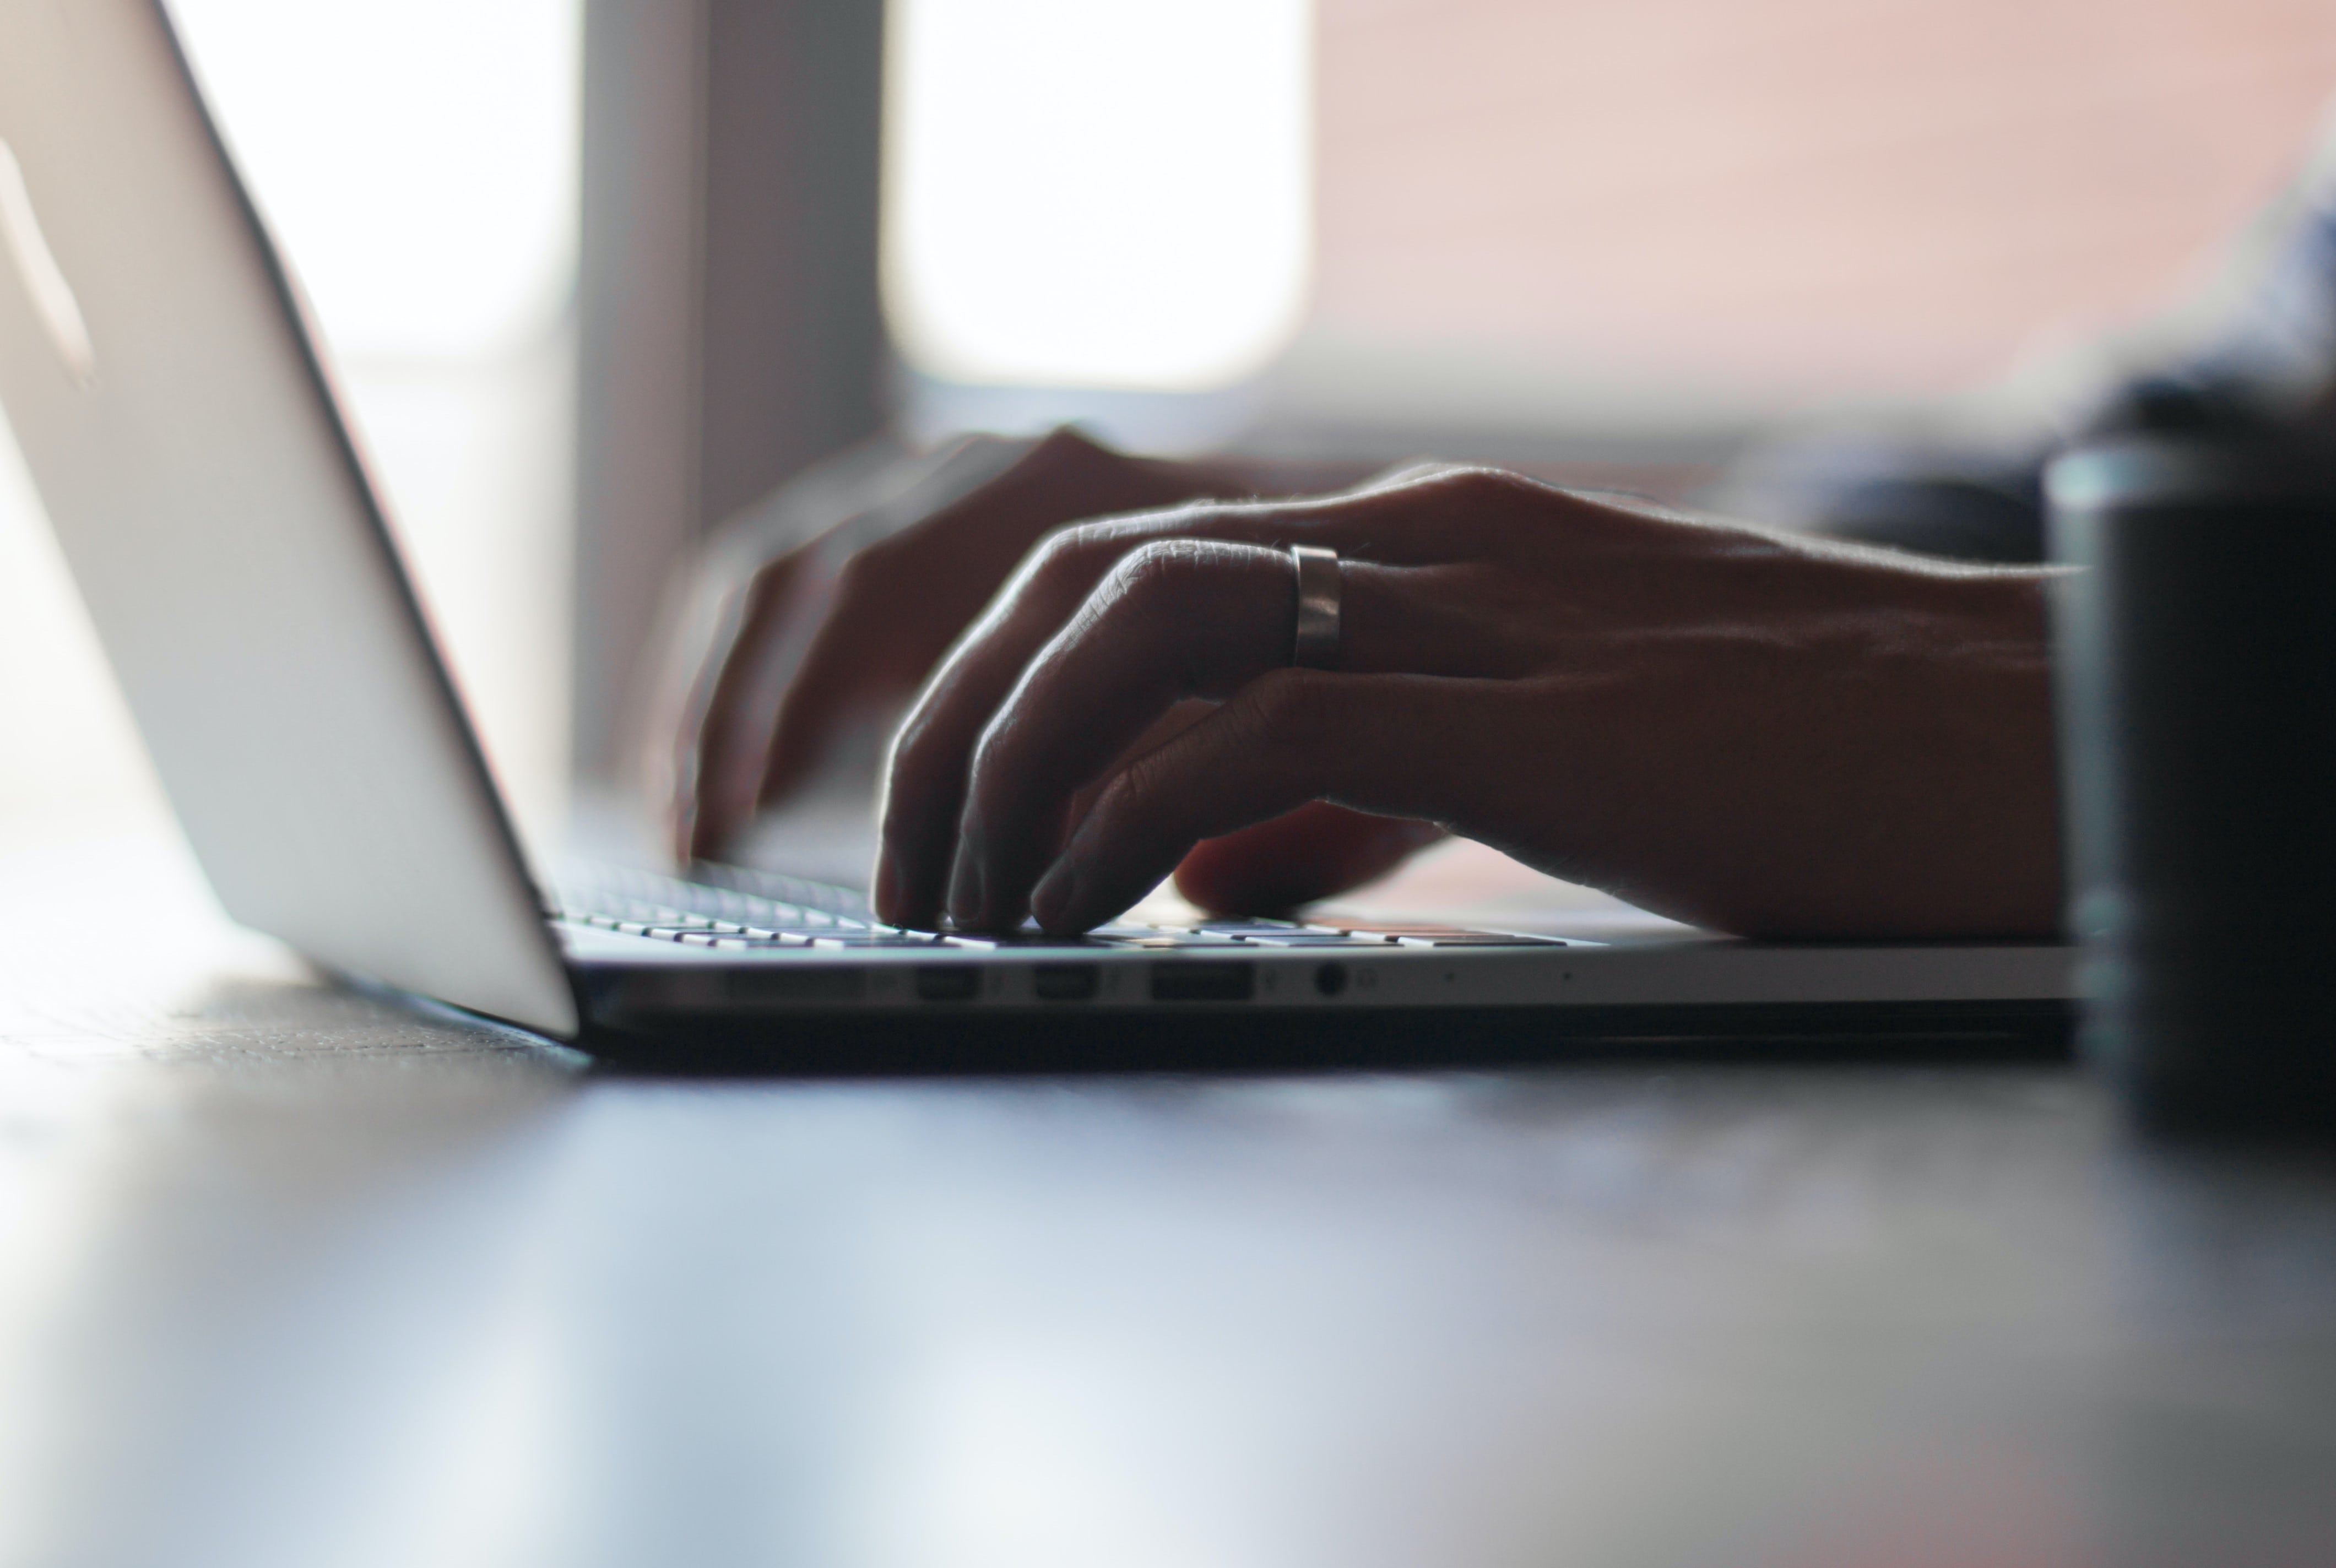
968, 902
1056, 891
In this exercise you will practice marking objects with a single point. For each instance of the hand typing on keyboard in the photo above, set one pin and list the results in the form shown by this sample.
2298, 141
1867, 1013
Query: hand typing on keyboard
828, 608
1763, 734
1751, 731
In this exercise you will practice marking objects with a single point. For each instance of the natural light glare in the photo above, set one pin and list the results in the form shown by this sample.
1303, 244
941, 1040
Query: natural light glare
437, 218
1098, 194
418, 160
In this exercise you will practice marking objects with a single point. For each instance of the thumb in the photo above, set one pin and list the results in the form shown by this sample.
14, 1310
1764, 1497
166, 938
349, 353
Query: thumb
1309, 853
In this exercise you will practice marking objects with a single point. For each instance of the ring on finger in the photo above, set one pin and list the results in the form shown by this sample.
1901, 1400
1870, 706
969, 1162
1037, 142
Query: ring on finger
1314, 640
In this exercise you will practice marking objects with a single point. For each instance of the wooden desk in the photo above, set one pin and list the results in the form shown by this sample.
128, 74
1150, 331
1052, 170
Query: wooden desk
289, 1275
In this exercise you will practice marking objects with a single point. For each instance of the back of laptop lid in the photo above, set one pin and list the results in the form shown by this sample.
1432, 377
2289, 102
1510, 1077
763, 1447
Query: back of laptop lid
155, 369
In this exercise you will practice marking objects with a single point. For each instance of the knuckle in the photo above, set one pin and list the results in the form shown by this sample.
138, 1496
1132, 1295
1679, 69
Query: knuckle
1056, 550
873, 554
988, 756
1066, 554
1479, 486
910, 741
857, 577
1160, 574
1156, 563
1468, 503
922, 739
1068, 445
769, 579
1469, 484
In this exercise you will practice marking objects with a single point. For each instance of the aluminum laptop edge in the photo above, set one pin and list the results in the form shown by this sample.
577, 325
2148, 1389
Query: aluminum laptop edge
162, 380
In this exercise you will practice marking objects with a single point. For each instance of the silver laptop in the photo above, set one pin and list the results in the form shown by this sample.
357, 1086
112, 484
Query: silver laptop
160, 375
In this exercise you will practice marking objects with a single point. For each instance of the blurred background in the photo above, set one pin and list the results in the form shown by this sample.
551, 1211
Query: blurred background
597, 273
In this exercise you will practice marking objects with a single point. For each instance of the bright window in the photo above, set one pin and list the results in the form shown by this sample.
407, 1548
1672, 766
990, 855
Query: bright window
1568, 214
1097, 192
417, 159
1792, 199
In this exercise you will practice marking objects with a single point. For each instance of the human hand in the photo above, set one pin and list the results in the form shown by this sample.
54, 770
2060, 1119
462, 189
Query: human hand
795, 646
1751, 731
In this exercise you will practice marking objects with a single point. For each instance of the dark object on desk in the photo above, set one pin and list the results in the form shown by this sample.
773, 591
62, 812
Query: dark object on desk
2197, 658
1980, 502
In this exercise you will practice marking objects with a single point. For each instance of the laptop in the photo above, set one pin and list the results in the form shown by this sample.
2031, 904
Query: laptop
162, 380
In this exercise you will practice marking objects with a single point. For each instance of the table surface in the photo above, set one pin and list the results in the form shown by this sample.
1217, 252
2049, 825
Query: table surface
294, 1275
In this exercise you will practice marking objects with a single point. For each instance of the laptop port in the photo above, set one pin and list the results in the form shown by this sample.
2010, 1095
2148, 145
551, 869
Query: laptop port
1330, 978
949, 983
1064, 982
1202, 980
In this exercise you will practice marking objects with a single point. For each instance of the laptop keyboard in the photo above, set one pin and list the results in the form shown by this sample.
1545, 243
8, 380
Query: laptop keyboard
736, 910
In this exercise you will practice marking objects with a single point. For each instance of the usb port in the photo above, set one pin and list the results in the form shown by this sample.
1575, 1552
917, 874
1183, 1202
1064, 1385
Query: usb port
949, 983
1064, 982
1201, 980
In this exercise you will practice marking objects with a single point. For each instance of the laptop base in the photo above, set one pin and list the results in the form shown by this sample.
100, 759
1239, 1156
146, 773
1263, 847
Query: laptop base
1208, 1039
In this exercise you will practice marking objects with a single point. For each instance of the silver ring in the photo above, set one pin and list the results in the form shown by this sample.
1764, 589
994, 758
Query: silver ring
1314, 645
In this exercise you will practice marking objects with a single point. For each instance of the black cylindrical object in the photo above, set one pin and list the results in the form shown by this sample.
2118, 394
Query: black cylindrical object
2195, 651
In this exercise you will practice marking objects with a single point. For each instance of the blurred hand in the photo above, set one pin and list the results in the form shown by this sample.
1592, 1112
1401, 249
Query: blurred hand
797, 648
1755, 731
797, 640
